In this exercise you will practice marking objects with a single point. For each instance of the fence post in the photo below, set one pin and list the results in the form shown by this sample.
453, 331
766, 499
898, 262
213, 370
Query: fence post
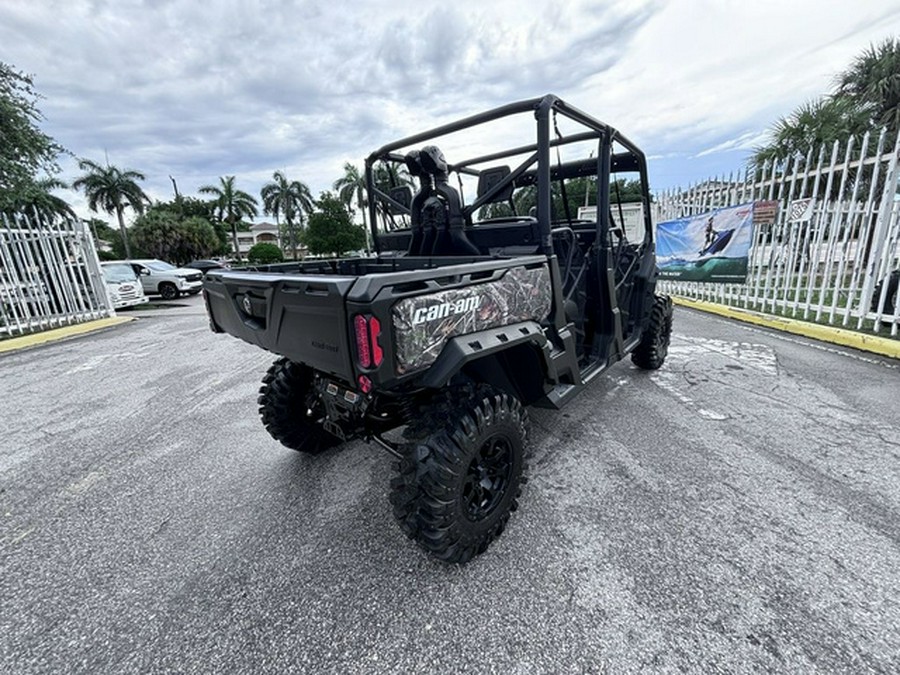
881, 230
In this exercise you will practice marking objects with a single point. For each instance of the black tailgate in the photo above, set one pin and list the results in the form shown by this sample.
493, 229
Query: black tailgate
302, 317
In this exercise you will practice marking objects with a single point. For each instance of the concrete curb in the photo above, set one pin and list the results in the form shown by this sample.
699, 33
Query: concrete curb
57, 334
837, 336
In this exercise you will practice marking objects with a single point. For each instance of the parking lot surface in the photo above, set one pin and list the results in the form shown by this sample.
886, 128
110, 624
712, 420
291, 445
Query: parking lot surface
736, 511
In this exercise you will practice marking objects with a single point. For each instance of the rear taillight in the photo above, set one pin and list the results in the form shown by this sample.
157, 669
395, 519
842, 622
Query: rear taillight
367, 330
374, 332
363, 354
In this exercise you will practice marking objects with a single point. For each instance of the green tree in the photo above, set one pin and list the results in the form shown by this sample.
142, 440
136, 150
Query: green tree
289, 199
111, 236
331, 229
265, 253
231, 206
872, 83
387, 175
24, 149
112, 190
35, 198
166, 235
812, 125
352, 186
190, 209
581, 191
187, 207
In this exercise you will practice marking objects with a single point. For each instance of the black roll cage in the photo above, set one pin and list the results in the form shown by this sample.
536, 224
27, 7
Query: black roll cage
602, 166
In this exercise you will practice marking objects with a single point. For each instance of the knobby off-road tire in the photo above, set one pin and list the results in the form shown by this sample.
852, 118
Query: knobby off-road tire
651, 351
290, 409
463, 472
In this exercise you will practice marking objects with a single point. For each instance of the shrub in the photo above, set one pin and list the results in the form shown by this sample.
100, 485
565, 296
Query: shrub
264, 253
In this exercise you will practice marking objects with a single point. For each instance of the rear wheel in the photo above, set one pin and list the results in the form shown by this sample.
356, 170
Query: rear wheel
168, 291
290, 410
462, 473
653, 348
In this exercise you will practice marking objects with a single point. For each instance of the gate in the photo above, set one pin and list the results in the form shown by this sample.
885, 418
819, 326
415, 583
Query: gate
831, 255
50, 276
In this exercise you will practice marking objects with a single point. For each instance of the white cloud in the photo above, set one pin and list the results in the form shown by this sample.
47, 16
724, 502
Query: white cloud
745, 141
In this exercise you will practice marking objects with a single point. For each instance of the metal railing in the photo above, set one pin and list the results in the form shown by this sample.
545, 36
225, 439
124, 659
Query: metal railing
836, 264
50, 276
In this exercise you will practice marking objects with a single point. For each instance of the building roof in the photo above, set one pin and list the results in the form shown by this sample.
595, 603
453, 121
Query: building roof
264, 227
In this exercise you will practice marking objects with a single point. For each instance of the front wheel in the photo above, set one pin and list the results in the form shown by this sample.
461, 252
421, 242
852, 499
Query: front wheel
653, 348
168, 291
462, 473
290, 410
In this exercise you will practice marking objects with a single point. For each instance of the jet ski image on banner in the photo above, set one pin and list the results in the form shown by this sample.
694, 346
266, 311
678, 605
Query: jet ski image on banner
712, 246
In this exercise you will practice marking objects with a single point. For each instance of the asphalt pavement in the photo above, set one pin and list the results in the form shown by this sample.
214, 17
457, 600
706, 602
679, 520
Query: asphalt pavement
736, 511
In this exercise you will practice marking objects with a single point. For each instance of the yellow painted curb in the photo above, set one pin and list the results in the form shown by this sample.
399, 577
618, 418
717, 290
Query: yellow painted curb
56, 334
837, 336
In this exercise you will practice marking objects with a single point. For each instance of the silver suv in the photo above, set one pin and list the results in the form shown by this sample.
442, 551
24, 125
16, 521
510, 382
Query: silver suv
158, 277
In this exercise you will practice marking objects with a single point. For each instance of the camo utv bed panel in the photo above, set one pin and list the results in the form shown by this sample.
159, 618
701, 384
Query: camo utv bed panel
423, 324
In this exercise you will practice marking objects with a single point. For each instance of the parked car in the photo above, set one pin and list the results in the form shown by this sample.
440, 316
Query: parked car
160, 278
122, 284
206, 265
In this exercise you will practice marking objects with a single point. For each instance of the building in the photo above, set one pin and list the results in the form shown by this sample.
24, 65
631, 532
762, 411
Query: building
267, 233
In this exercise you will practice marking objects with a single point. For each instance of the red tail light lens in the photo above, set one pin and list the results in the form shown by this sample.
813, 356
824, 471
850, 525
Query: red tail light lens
374, 332
365, 384
367, 329
363, 354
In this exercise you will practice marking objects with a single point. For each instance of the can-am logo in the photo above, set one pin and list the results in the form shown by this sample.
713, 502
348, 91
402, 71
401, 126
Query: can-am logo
445, 309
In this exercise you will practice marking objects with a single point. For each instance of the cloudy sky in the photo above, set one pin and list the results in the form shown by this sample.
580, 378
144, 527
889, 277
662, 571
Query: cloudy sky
197, 90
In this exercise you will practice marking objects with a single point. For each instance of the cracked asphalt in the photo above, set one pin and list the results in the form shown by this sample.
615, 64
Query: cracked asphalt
736, 511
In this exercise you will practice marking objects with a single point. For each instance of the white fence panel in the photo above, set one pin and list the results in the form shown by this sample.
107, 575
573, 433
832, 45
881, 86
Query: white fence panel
50, 276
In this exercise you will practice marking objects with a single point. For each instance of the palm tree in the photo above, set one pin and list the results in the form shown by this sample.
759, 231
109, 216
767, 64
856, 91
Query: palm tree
812, 125
387, 175
873, 82
37, 199
288, 198
232, 205
352, 185
112, 189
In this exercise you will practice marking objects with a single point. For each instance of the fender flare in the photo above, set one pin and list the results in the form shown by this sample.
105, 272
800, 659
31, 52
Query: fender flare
464, 349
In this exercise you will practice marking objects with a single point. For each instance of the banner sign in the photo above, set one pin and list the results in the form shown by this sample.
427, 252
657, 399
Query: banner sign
711, 247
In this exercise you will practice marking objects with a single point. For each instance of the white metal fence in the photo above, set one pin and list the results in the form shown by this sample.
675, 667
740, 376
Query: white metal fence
835, 264
49, 276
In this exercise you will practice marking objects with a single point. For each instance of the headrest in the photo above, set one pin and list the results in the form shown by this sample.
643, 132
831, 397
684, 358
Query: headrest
488, 178
433, 162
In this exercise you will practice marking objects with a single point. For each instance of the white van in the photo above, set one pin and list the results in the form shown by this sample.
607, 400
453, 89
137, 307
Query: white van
122, 284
